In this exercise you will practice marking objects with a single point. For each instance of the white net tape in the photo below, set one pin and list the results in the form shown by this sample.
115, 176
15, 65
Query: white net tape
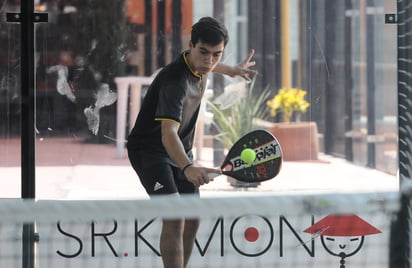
350, 230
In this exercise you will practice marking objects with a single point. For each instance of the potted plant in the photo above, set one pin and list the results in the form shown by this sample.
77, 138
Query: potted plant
299, 140
291, 102
234, 113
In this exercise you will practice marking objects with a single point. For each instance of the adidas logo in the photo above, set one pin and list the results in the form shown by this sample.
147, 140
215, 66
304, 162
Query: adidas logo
158, 186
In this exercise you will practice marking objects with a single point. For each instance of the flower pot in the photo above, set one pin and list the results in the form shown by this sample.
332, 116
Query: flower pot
299, 141
240, 184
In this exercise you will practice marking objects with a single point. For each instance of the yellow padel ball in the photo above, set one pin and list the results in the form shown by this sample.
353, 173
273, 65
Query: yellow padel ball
248, 155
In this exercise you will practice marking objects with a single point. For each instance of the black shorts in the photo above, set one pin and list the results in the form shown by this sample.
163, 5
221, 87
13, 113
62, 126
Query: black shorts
160, 178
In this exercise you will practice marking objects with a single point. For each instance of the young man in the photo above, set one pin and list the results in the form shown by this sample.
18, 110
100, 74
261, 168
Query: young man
160, 144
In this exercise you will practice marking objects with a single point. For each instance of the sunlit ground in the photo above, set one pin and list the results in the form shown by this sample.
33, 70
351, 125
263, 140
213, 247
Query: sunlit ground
68, 168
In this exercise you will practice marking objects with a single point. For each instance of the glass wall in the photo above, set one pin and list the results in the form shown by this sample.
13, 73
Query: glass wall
352, 78
94, 60
10, 99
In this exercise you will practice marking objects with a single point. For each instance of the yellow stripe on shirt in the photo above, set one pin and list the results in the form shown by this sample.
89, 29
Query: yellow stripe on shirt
166, 119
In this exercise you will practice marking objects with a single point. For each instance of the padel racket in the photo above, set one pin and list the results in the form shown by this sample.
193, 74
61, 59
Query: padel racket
266, 165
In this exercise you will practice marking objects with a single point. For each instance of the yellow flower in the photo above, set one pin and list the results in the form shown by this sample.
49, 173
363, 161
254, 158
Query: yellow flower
288, 100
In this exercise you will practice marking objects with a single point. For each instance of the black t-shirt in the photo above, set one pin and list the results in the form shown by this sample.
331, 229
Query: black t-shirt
175, 94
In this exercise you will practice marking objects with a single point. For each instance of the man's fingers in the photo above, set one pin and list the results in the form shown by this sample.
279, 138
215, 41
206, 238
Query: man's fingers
251, 53
246, 62
251, 63
202, 180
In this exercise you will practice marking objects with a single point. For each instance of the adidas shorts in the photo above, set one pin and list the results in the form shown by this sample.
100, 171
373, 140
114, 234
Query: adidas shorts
161, 178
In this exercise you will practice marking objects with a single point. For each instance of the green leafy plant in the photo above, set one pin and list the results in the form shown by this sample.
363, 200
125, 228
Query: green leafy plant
238, 119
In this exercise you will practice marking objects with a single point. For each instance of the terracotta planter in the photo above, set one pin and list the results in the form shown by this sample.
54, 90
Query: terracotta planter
240, 184
299, 141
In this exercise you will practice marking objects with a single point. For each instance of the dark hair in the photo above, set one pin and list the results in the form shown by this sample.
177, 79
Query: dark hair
208, 30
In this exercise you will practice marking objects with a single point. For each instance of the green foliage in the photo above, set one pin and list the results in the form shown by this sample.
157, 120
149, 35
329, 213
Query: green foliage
237, 120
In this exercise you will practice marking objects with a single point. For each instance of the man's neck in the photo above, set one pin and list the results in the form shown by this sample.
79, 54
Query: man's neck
186, 57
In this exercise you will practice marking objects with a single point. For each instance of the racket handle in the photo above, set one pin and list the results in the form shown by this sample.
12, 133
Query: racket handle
213, 175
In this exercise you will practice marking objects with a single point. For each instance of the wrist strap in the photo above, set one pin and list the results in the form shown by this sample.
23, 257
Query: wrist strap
185, 167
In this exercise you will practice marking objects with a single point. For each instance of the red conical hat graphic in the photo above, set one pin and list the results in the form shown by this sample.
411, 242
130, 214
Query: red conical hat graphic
342, 225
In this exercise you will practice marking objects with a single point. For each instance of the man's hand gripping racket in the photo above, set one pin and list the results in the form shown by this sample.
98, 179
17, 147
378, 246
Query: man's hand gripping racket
265, 166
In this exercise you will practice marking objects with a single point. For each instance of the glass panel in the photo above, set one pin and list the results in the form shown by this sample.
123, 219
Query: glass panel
10, 98
375, 86
80, 51
95, 58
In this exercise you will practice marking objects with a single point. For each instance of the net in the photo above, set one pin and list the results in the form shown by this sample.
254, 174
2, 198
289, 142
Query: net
342, 230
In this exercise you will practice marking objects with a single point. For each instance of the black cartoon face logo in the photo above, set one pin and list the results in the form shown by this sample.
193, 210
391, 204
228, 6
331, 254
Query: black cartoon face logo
342, 235
342, 246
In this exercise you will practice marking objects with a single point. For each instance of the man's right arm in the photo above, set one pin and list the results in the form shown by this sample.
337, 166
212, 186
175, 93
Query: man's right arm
174, 147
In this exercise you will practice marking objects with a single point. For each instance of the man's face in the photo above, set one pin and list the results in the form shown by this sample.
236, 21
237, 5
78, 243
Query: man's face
205, 57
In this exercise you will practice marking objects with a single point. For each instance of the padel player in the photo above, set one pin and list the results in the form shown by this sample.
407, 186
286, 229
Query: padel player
160, 144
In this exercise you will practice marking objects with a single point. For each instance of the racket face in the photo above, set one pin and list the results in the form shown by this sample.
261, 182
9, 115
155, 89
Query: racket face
268, 158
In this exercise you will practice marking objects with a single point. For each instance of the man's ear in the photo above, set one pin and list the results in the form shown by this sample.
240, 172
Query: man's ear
191, 44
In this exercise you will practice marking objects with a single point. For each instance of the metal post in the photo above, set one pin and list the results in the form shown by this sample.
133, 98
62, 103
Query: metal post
218, 84
330, 111
400, 248
148, 38
27, 18
285, 54
28, 111
176, 27
348, 81
161, 33
28, 117
370, 74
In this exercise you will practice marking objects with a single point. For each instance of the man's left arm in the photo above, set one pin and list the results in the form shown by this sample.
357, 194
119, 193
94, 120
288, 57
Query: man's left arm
242, 69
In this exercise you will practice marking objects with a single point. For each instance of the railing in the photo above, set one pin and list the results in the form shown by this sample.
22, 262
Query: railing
135, 83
